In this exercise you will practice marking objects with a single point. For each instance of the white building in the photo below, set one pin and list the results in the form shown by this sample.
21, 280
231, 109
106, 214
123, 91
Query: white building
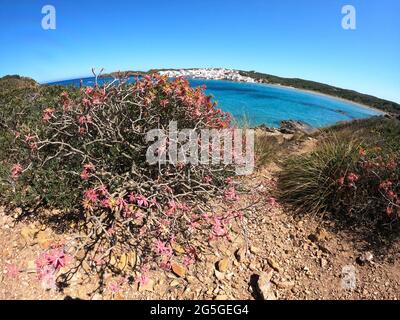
208, 73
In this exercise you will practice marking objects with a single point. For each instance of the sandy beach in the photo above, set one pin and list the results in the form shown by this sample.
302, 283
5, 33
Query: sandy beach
328, 96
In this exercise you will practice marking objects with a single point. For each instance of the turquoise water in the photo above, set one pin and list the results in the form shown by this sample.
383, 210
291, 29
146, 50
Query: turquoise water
265, 104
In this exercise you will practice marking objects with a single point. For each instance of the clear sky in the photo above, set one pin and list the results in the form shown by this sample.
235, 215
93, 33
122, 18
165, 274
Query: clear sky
290, 38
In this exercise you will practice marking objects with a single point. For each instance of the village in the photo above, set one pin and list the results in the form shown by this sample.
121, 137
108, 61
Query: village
208, 73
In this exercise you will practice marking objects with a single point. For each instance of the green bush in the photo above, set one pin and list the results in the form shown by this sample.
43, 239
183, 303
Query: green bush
354, 172
85, 152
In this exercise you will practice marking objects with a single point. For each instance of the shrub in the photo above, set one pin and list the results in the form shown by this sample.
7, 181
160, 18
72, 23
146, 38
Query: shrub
347, 175
88, 155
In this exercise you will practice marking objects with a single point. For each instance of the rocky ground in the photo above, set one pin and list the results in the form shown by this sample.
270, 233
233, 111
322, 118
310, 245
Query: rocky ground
274, 254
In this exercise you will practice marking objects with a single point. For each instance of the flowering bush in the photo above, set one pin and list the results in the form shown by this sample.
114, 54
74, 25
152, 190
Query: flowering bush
89, 156
349, 176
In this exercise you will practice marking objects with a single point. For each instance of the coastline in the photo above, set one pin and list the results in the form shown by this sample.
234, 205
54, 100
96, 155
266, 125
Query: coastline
327, 96
364, 106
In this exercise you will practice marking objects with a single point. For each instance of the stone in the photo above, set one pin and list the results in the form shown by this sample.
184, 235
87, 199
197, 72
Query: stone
319, 235
240, 254
178, 269
219, 275
324, 249
28, 234
178, 249
148, 286
125, 261
293, 126
274, 265
223, 264
285, 284
17, 212
174, 283
97, 296
366, 257
254, 250
44, 239
252, 266
132, 259
323, 263
264, 286
221, 297
80, 255
31, 266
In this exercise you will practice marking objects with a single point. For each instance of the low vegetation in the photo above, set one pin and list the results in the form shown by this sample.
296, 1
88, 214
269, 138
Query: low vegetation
352, 174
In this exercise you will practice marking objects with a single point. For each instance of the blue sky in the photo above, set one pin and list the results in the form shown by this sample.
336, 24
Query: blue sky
290, 38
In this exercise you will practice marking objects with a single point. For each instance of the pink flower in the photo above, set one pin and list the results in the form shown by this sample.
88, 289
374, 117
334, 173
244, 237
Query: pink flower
82, 120
352, 177
47, 277
230, 194
132, 198
194, 225
389, 211
57, 258
12, 270
217, 228
91, 195
187, 261
121, 203
162, 248
105, 203
164, 103
385, 185
272, 201
144, 279
207, 179
47, 264
86, 102
391, 195
16, 170
81, 130
89, 90
166, 265
41, 261
172, 208
142, 200
340, 181
47, 114
103, 190
84, 175
114, 287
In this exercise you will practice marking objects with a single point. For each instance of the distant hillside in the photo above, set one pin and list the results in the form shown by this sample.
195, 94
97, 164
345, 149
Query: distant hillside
128, 73
351, 95
11, 82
